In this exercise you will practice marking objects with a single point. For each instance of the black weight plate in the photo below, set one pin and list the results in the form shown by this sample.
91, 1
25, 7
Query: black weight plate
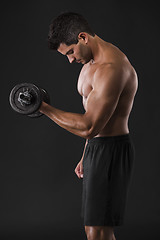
35, 115
45, 98
36, 100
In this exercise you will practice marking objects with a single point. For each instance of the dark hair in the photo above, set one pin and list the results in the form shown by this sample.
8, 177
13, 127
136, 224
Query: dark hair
65, 29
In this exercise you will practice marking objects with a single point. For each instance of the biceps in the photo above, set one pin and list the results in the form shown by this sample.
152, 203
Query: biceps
99, 110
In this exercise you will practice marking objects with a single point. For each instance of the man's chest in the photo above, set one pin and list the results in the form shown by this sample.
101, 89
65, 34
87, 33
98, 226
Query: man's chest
85, 81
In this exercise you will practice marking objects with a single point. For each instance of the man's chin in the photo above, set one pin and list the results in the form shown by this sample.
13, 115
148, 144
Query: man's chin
85, 61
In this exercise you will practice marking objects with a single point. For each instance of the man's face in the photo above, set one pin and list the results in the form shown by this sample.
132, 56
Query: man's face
79, 52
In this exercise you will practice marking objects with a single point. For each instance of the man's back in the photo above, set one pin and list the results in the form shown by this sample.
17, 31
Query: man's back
111, 56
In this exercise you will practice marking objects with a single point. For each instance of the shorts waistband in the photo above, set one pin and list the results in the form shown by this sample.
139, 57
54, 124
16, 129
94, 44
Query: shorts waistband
110, 138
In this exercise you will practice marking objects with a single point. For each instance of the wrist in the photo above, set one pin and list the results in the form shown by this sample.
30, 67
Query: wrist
43, 107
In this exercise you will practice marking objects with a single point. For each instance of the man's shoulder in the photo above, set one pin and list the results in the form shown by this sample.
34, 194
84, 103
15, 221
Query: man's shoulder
107, 68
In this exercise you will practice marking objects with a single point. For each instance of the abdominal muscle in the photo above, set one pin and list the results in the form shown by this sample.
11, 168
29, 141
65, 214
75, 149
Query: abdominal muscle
117, 124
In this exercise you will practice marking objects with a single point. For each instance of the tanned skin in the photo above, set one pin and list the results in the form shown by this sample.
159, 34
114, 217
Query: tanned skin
107, 84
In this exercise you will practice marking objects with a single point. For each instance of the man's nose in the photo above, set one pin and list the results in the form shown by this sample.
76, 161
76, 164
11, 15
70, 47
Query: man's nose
71, 59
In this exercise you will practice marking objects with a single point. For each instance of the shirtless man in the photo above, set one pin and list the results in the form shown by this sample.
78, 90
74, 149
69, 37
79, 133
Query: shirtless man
107, 84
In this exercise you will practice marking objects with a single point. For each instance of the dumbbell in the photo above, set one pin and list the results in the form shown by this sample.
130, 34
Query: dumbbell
26, 98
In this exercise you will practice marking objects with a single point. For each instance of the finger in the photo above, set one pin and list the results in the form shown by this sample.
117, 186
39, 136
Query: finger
81, 172
77, 173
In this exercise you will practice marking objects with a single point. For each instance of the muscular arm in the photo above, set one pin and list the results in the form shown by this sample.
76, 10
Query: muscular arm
108, 84
84, 150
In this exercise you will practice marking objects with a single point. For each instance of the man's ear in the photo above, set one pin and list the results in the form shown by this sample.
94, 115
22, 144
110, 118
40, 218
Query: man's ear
83, 36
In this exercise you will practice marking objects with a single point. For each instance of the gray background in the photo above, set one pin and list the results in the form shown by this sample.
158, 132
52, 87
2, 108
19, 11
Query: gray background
40, 193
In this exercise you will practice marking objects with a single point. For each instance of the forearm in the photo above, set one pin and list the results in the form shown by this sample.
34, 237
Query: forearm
72, 122
84, 150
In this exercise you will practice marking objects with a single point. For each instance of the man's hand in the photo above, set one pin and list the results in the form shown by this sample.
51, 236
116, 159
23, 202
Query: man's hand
79, 169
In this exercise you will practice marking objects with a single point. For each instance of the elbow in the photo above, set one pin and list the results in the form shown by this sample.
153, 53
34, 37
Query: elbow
90, 133
91, 129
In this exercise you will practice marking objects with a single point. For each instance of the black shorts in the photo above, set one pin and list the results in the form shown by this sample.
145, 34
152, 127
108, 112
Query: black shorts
108, 169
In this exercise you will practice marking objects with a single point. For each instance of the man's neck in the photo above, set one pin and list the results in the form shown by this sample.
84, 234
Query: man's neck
97, 47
